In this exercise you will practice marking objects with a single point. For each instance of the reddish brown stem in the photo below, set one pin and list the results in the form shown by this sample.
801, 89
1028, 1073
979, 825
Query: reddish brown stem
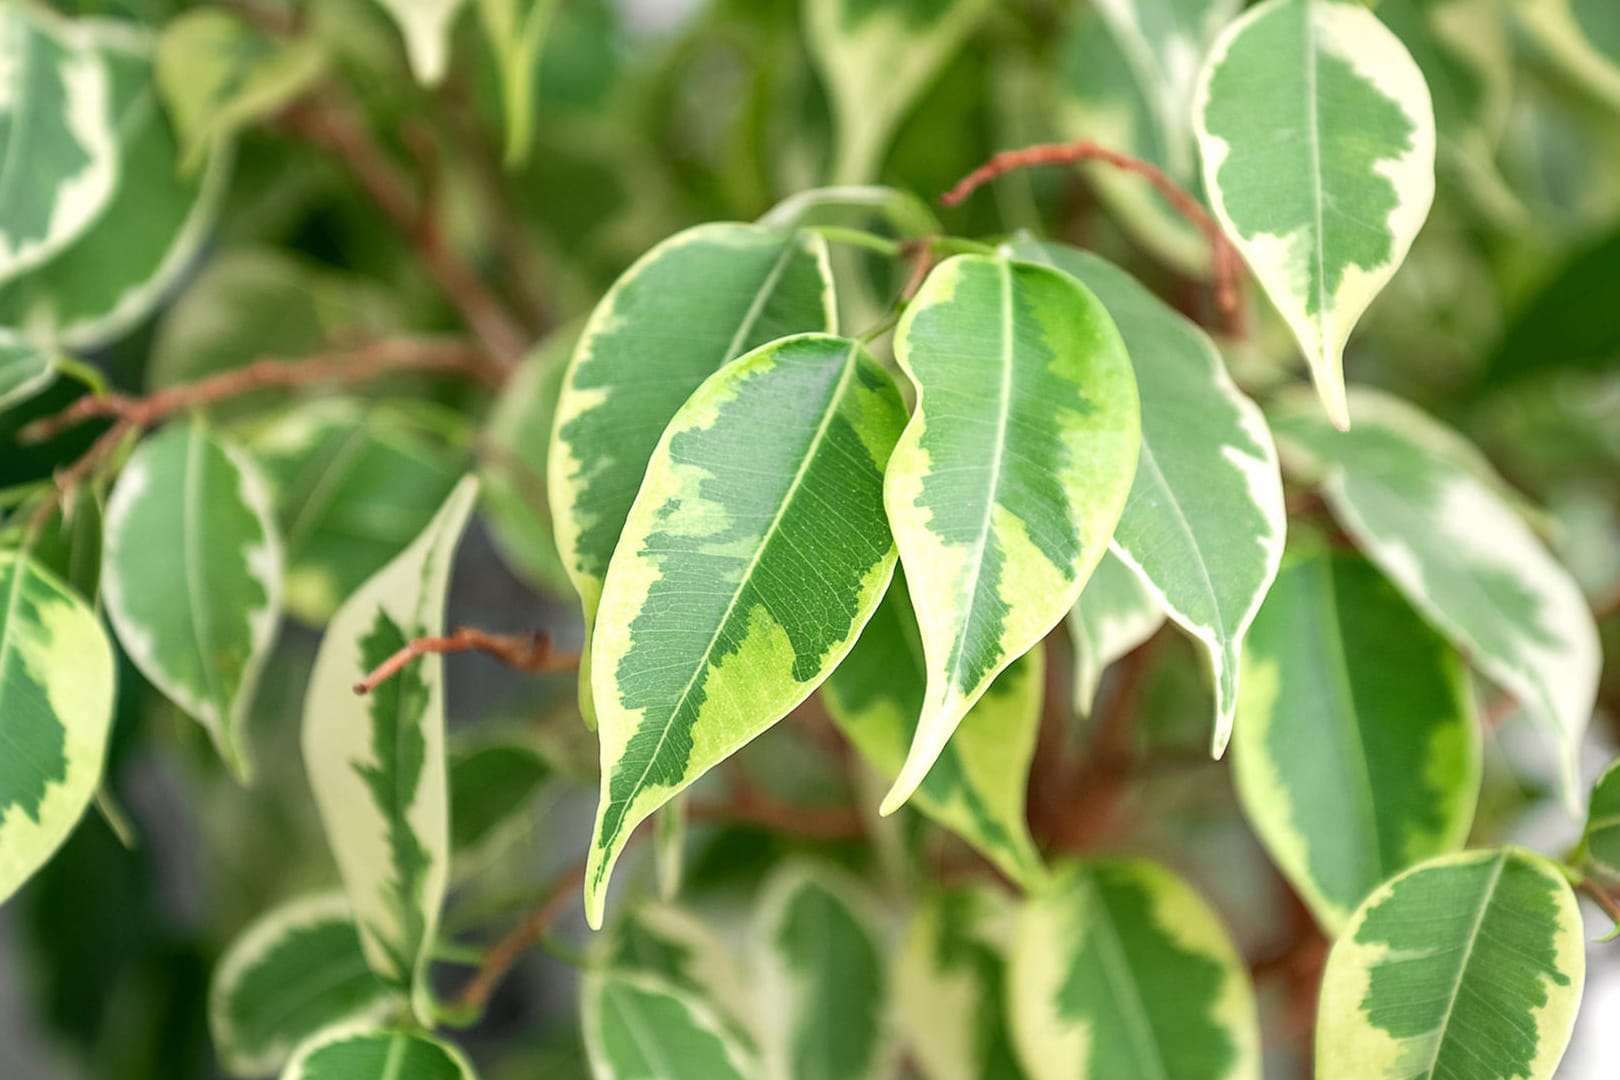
528, 653
506, 952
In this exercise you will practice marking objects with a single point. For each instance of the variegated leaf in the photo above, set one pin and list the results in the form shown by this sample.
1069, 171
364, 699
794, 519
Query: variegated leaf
1114, 615
1602, 838
517, 35
25, 370
876, 58
950, 987
363, 1051
1466, 967
638, 1027
755, 552
1358, 747
668, 943
1423, 505
191, 571
296, 970
823, 986
1582, 36
1204, 523
977, 786
377, 763
1318, 142
1119, 969
56, 701
57, 144
1010, 476
425, 25
495, 786
699, 299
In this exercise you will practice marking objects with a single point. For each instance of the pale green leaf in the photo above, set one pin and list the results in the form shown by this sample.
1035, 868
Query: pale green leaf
425, 25
296, 970
363, 1051
1358, 747
642, 1028
496, 786
1466, 967
1011, 475
192, 571
977, 786
517, 35
1582, 36
755, 552
1119, 969
1602, 839
56, 701
25, 370
377, 763
660, 940
1204, 523
1422, 504
1113, 616
1317, 136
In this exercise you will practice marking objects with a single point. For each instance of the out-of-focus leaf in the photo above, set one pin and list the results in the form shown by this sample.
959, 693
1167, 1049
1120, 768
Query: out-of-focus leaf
495, 785
364, 1051
1583, 36
670, 944
638, 1027
1567, 323
1114, 615
426, 26
517, 35
25, 370
1602, 838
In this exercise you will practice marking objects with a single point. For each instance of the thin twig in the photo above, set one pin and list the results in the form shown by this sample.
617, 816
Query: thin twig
1603, 898
1225, 263
506, 952
529, 653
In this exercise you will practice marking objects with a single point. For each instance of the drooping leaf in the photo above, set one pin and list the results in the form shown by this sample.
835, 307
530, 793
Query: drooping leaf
1423, 505
1317, 136
876, 58
1204, 523
56, 698
517, 35
950, 987
25, 370
425, 25
665, 942
1119, 969
1358, 747
638, 1027
1114, 615
296, 970
977, 786
755, 552
823, 974
699, 299
191, 570
56, 137
1467, 967
1010, 476
363, 1051
1583, 36
1602, 838
495, 784
377, 763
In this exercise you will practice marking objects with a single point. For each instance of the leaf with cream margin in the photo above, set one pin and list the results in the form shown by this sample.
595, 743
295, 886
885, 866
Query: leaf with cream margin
1119, 969
192, 572
1114, 615
669, 943
755, 552
363, 1051
1465, 967
1318, 143
1425, 507
1008, 481
638, 1027
376, 763
425, 25
1601, 841
56, 704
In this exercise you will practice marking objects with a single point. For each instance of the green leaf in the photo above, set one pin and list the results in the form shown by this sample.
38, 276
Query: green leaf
1423, 505
822, 976
669, 944
1466, 967
1358, 747
1119, 969
977, 787
25, 370
1583, 38
642, 1028
191, 571
425, 26
377, 763
218, 75
116, 270
56, 137
296, 970
1602, 837
699, 299
517, 35
902, 210
755, 552
363, 1051
1113, 616
495, 784
1002, 505
876, 58
1205, 521
56, 700
950, 987
1565, 323
1317, 135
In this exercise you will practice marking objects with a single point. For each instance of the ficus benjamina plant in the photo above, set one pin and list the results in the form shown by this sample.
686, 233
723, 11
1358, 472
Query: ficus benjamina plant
825, 539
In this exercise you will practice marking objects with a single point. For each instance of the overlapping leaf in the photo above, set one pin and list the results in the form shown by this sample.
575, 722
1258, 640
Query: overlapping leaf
1602, 838
638, 1027
367, 1052
755, 552
1318, 143
1358, 748
1114, 615
1010, 476
191, 570
1467, 967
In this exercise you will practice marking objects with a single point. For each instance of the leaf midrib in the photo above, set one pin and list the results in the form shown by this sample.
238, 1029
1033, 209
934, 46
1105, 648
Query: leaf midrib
1118, 970
1487, 895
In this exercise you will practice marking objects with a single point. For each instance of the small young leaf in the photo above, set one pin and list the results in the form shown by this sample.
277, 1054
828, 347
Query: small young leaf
1119, 969
1317, 135
297, 970
1007, 483
1114, 615
25, 370
755, 552
377, 763
1358, 748
363, 1051
56, 699
1602, 839
641, 1028
191, 571
1467, 967
517, 36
